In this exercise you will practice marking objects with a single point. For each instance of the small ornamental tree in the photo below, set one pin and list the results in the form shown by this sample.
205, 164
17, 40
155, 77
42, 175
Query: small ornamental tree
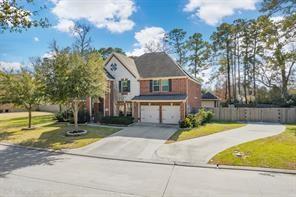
20, 88
69, 78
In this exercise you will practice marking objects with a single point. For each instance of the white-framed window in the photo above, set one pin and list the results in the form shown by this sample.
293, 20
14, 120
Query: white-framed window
156, 85
165, 87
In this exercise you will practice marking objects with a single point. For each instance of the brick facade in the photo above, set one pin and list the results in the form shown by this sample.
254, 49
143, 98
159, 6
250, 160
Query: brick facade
108, 100
194, 97
179, 86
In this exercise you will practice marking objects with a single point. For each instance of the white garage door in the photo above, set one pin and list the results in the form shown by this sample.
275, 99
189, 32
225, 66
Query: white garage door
170, 114
150, 113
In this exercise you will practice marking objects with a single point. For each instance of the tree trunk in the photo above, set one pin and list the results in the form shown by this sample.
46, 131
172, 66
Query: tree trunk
254, 67
228, 73
238, 71
75, 115
284, 85
30, 117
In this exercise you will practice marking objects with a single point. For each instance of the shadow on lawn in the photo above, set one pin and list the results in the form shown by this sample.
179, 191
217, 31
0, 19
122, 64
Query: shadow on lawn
13, 158
56, 138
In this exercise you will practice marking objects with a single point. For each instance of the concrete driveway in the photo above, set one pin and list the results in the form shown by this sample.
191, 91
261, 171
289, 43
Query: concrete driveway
201, 150
135, 142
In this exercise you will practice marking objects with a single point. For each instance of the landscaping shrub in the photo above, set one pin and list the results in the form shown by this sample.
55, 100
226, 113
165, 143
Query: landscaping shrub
121, 120
194, 120
186, 123
204, 116
83, 117
209, 116
60, 117
98, 116
201, 116
63, 116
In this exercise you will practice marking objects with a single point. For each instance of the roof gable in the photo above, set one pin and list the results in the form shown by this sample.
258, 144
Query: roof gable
209, 96
127, 62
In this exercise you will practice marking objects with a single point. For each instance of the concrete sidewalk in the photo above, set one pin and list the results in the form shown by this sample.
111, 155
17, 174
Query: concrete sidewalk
202, 149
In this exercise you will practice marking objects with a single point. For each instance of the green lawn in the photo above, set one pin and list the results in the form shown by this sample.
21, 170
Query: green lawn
208, 129
272, 152
50, 135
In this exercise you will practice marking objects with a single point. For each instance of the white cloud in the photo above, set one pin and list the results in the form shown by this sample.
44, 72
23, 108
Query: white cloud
113, 15
148, 36
48, 55
10, 65
36, 39
65, 25
277, 18
213, 11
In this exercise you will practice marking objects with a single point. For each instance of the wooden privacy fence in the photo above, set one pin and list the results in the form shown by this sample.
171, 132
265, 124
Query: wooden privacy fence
280, 115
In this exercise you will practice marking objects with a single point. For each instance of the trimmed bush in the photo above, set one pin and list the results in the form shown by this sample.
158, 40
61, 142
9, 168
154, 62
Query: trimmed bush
64, 116
186, 123
204, 116
194, 120
121, 120
60, 117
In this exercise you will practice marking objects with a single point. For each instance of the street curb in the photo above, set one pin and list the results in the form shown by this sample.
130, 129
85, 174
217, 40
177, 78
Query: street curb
169, 163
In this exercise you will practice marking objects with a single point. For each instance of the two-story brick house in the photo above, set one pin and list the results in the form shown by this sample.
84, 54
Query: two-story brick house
151, 88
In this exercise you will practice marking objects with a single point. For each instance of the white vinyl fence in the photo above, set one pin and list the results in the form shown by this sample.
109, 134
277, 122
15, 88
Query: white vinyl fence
279, 115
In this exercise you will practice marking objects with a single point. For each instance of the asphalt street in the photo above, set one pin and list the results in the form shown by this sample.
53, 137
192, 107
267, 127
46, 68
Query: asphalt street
33, 173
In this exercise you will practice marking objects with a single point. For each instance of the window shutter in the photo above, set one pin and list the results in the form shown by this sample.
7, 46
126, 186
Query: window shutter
119, 86
151, 85
129, 85
170, 85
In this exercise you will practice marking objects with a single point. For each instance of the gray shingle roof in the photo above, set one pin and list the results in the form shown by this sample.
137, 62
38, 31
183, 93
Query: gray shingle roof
156, 97
209, 96
157, 64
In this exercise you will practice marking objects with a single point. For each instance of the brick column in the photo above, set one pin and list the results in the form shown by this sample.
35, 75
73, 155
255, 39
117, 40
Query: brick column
182, 110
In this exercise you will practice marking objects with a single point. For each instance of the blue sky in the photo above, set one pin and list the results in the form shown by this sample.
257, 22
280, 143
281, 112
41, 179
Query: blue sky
127, 24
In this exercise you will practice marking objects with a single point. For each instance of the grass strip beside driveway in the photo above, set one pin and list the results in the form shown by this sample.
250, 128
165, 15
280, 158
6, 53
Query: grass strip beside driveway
208, 129
278, 151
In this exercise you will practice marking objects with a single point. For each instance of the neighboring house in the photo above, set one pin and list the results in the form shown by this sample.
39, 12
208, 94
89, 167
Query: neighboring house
151, 88
209, 100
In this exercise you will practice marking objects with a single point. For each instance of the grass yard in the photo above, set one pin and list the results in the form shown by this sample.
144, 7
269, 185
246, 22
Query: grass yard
272, 152
208, 129
51, 135
20, 119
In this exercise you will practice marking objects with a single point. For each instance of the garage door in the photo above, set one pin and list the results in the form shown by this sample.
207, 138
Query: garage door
150, 113
170, 114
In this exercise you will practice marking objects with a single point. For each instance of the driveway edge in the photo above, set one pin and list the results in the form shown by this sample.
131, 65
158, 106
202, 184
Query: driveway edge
171, 163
